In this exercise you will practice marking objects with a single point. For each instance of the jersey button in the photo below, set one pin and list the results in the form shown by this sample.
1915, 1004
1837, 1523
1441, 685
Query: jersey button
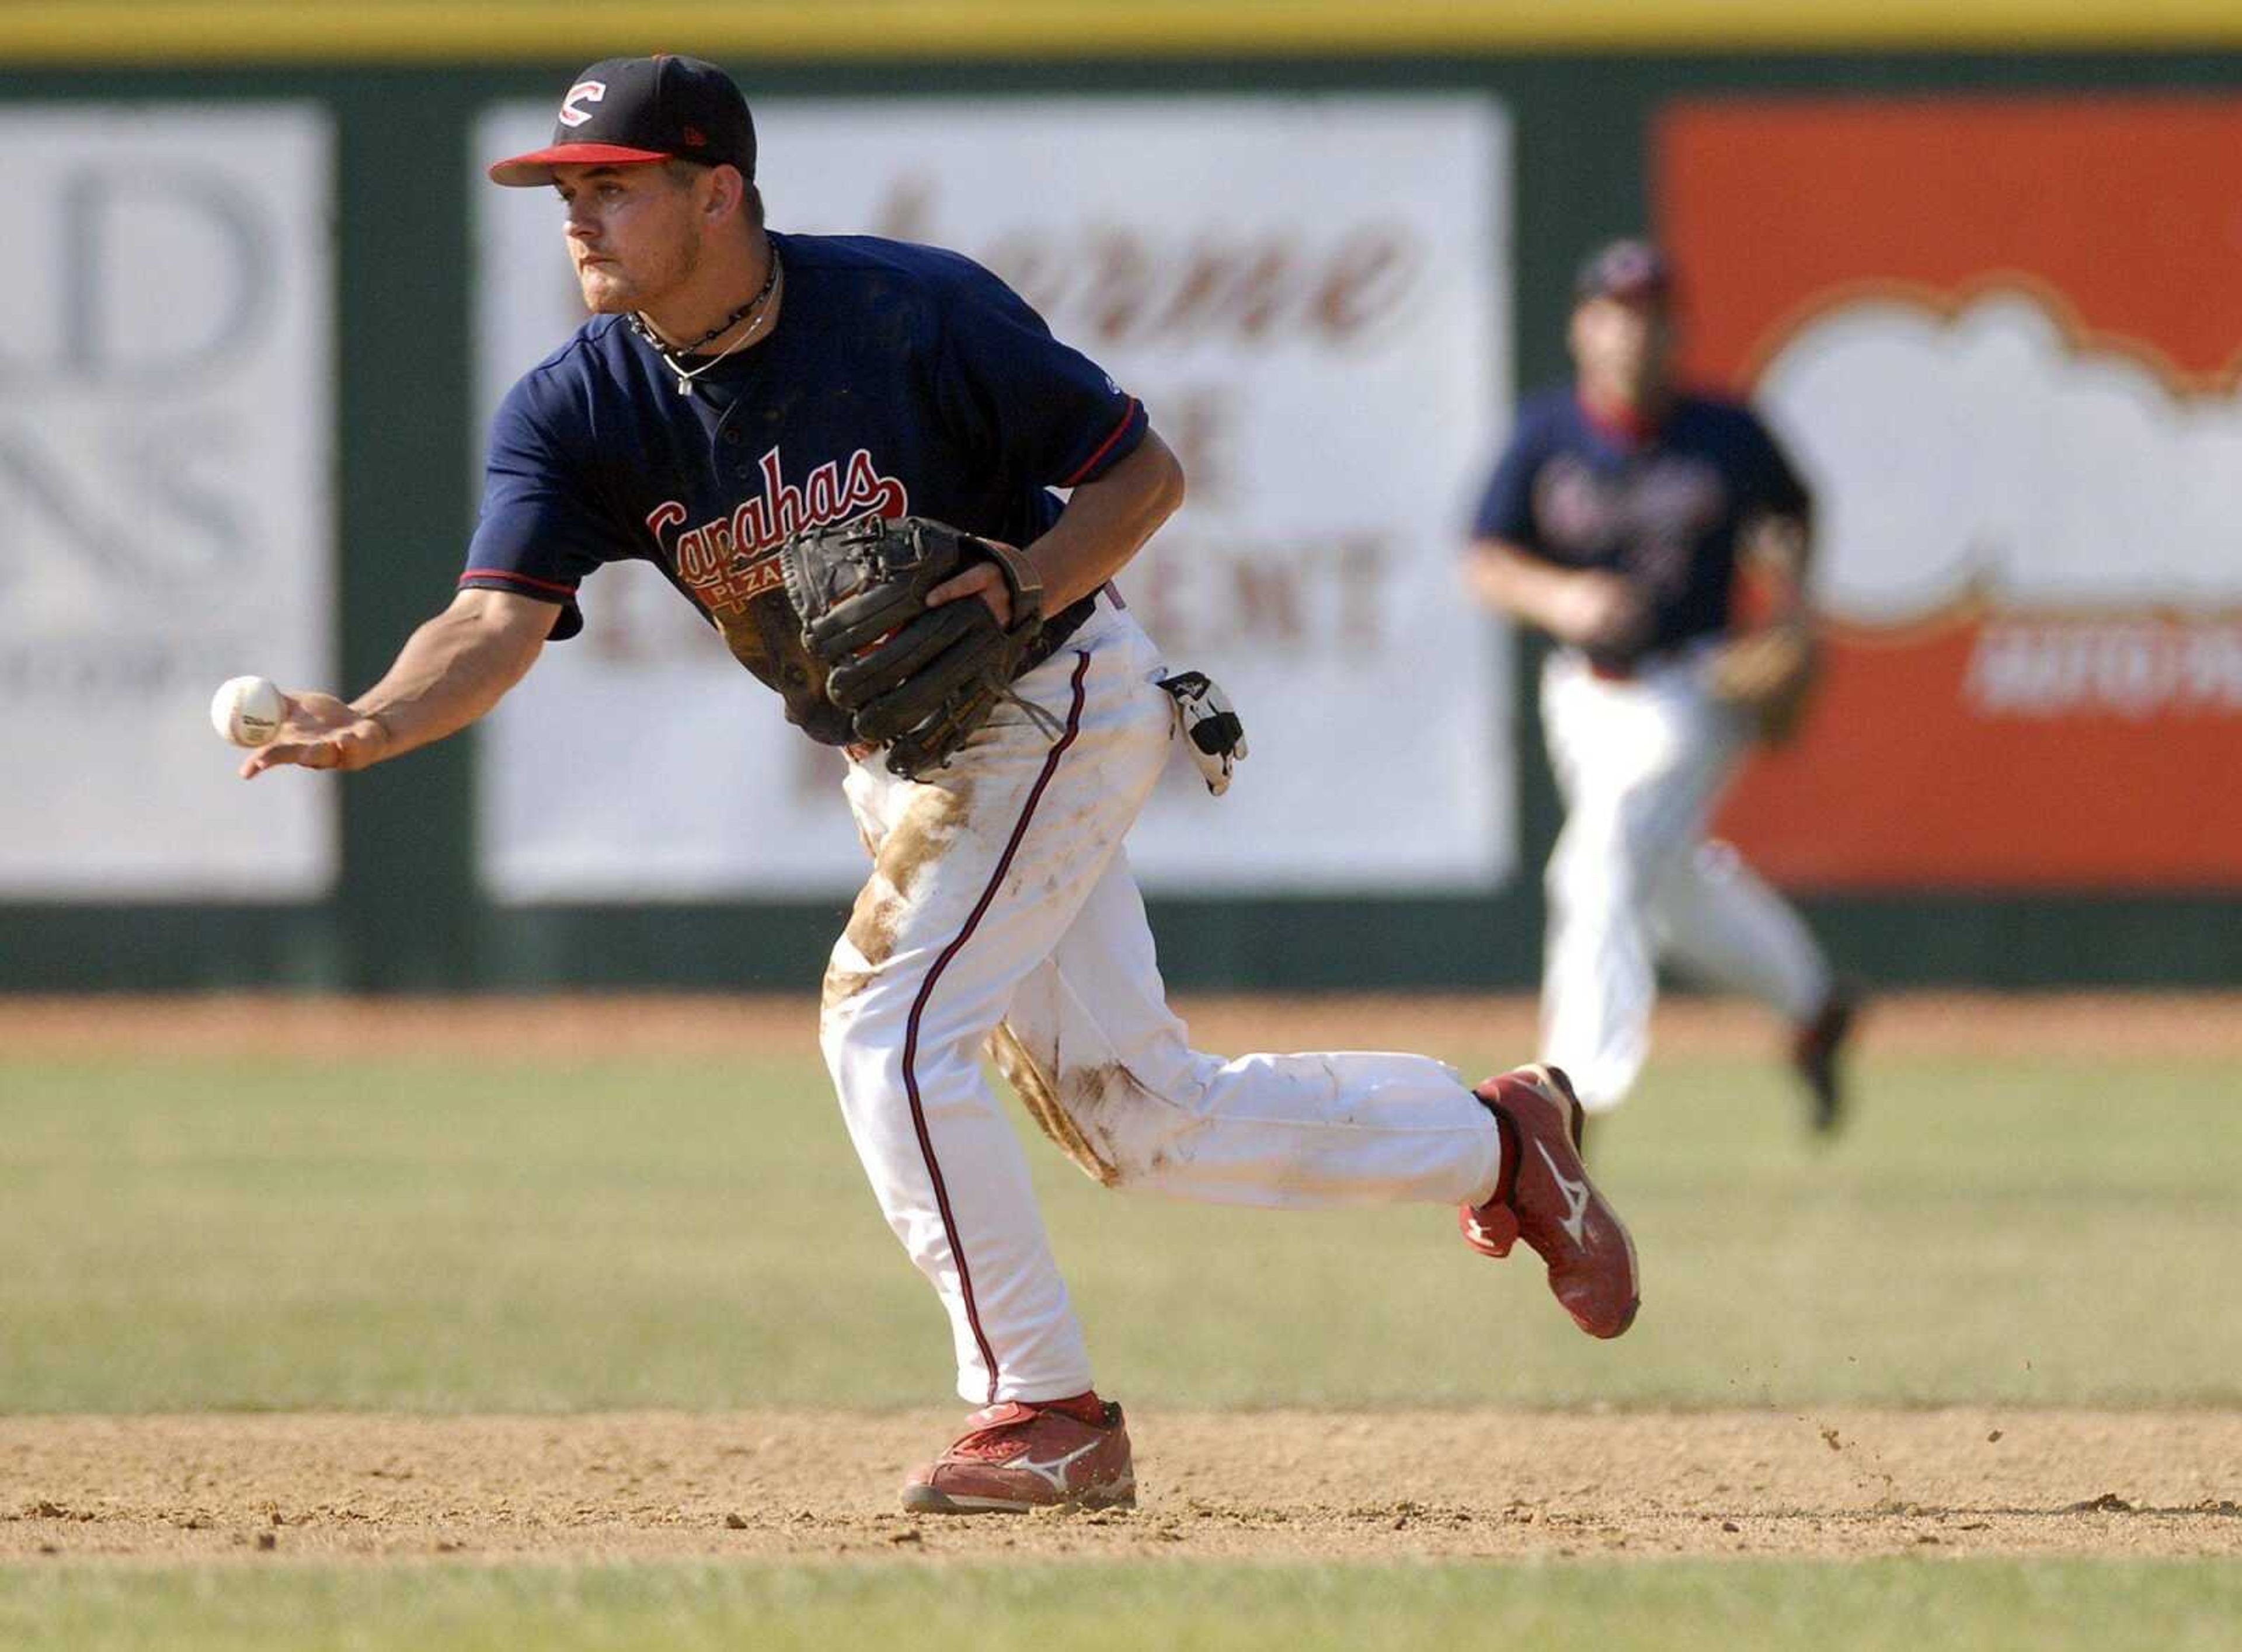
731, 437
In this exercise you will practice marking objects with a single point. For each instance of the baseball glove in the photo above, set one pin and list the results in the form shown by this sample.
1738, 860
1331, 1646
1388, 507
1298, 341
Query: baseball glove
916, 679
1766, 675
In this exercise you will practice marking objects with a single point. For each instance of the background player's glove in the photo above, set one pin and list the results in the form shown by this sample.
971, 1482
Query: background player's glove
1209, 724
1768, 674
917, 680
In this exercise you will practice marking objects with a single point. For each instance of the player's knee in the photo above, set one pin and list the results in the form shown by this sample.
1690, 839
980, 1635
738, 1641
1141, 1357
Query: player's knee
1588, 850
1583, 884
1716, 861
865, 994
840, 996
853, 1016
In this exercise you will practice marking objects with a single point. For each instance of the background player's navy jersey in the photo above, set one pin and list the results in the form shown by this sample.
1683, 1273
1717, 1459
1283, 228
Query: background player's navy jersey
1665, 510
899, 378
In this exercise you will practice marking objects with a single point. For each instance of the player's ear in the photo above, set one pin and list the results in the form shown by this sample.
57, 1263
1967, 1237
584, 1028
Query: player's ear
727, 190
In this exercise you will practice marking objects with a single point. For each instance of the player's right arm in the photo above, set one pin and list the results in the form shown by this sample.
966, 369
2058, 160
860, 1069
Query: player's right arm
539, 532
1504, 569
1586, 608
451, 671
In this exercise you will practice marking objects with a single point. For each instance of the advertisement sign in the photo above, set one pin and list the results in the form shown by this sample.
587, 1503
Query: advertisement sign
1311, 297
2000, 337
165, 494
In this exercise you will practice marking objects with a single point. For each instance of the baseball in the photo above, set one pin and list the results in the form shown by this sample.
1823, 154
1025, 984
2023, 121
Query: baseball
247, 710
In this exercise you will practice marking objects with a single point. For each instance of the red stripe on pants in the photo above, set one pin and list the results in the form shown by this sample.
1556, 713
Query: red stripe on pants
926, 991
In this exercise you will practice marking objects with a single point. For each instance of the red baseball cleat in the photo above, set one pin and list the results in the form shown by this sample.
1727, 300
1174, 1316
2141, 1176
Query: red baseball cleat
1545, 1195
1014, 1458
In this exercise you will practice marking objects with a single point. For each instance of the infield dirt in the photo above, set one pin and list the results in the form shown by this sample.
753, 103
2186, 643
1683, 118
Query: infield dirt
1277, 1486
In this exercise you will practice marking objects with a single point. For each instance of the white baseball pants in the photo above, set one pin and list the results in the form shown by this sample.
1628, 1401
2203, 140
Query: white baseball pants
1001, 914
1640, 763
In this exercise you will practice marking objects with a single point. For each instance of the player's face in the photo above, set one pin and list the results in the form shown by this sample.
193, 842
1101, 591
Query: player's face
632, 234
1621, 346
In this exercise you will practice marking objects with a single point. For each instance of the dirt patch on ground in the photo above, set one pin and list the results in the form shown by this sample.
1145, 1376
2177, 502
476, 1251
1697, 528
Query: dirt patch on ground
1280, 1486
589, 1027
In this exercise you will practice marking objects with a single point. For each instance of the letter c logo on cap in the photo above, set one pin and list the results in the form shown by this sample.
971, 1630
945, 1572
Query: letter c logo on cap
584, 91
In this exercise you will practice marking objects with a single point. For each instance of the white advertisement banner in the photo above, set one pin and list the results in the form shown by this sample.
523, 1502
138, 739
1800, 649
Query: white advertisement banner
165, 516
1312, 296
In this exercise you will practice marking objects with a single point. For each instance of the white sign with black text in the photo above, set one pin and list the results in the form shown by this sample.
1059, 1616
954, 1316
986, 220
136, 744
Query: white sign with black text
165, 512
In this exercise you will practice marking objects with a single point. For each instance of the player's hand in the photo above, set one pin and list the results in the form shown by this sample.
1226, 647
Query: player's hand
1594, 609
319, 731
984, 579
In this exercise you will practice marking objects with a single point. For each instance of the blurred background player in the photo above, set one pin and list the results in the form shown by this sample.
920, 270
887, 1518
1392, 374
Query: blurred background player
1616, 521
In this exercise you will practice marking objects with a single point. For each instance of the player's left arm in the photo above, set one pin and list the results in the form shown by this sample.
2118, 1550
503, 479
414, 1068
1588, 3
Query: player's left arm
1775, 548
1030, 408
1767, 672
1105, 522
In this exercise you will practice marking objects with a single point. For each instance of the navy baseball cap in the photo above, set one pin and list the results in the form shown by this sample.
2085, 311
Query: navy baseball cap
1628, 269
623, 110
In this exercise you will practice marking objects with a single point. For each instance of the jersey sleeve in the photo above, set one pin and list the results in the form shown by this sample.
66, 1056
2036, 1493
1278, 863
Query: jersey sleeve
539, 532
1778, 485
1019, 399
1505, 509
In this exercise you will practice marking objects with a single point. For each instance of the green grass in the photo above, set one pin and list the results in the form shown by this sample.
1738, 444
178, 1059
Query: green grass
444, 1235
1695, 1606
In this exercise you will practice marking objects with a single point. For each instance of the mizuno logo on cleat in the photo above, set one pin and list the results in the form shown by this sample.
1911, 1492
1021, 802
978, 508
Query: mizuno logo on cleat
1576, 1198
1055, 1470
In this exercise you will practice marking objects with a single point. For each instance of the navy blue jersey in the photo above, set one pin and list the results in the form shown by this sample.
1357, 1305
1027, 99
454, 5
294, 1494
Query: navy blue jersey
899, 378
1665, 510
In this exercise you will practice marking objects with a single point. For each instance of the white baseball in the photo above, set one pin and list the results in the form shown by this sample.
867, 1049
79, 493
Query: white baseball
247, 710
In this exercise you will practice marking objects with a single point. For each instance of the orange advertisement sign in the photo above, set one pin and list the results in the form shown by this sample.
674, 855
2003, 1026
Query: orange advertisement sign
2002, 339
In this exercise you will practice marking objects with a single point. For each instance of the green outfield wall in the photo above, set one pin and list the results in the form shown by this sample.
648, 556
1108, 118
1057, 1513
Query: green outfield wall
1583, 86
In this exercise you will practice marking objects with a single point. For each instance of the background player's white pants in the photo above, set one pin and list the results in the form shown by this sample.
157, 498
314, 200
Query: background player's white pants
1640, 763
1000, 893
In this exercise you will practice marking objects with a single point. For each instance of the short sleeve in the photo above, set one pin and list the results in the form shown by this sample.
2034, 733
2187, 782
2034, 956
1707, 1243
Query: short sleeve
539, 532
1506, 510
1779, 487
1024, 401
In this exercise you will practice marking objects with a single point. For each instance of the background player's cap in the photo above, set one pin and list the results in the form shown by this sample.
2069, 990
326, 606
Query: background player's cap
627, 110
1624, 269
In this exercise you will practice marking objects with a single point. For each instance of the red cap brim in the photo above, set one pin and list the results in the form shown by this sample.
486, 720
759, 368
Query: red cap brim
525, 171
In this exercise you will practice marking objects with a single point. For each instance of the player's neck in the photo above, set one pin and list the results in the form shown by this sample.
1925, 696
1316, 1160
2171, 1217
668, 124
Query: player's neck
1625, 415
734, 302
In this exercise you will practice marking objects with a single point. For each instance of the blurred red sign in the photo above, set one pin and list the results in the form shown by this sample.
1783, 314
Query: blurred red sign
2002, 338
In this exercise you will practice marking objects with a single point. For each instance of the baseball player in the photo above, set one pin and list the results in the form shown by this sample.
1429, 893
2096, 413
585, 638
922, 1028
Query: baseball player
735, 387
1616, 520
